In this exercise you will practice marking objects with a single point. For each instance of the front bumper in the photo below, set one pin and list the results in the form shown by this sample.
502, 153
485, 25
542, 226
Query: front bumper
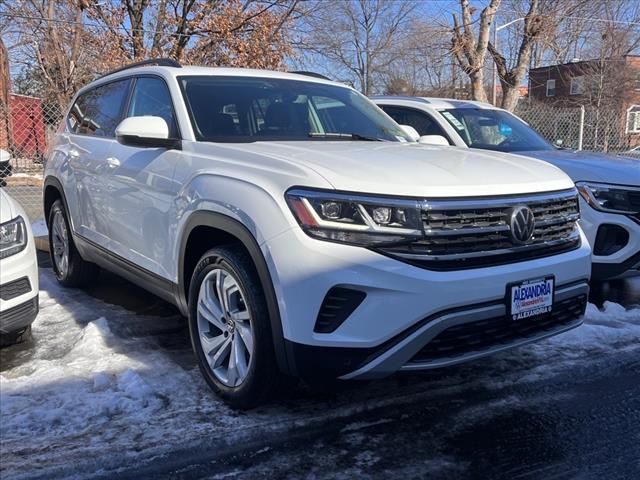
399, 297
19, 317
464, 335
623, 262
18, 284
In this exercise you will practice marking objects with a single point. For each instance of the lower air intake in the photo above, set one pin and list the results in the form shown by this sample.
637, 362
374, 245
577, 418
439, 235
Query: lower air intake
338, 304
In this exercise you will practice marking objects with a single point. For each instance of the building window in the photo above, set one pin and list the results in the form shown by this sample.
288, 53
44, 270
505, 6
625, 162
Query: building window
633, 119
551, 88
577, 86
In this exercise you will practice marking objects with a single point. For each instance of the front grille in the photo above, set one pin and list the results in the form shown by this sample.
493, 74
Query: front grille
483, 335
476, 233
14, 289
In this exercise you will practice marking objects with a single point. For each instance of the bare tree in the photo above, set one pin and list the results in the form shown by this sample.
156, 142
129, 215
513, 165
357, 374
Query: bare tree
54, 40
424, 61
470, 48
512, 77
62, 44
360, 38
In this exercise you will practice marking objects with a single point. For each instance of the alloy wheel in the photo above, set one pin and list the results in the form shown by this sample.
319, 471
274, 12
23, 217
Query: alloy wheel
60, 243
225, 327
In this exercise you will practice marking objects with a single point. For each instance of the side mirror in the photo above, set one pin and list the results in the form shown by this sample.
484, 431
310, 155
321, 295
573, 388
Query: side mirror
411, 132
146, 132
434, 140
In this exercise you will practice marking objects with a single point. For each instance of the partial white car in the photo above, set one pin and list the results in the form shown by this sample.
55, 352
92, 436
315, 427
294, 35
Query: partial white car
5, 165
609, 185
302, 232
632, 153
18, 273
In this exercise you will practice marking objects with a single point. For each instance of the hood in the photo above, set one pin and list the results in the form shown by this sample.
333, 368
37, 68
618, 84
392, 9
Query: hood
6, 203
592, 166
412, 169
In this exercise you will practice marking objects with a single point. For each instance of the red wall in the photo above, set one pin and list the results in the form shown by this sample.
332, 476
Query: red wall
27, 125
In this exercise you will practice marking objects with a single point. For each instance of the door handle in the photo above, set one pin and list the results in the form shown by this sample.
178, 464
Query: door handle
113, 163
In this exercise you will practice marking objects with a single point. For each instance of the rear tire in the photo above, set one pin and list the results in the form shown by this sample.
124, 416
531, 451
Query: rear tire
16, 337
70, 269
231, 338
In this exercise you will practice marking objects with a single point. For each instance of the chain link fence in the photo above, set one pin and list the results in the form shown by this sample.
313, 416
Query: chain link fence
28, 124
580, 128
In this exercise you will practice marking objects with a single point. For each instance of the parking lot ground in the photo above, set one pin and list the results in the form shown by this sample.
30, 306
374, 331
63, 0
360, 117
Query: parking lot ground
109, 387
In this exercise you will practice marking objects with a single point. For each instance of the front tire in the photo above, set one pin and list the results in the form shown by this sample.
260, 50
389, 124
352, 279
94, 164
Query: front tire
230, 329
70, 269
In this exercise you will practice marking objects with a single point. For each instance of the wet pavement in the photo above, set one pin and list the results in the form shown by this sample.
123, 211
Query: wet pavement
584, 425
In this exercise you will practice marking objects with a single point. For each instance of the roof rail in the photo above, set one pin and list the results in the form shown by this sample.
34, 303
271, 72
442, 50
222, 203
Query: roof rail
160, 62
399, 97
311, 74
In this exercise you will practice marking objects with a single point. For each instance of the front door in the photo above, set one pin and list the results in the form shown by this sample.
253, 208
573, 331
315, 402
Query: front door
140, 185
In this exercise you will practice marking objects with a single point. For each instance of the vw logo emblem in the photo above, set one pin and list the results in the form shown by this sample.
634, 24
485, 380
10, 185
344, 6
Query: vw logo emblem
522, 224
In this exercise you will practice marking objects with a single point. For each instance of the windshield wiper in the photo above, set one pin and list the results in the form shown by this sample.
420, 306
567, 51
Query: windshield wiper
344, 136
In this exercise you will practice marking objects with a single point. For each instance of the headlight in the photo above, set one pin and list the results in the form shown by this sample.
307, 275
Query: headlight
356, 219
611, 198
13, 237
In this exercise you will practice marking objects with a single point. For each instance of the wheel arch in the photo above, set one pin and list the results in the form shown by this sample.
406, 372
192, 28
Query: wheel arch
221, 229
52, 191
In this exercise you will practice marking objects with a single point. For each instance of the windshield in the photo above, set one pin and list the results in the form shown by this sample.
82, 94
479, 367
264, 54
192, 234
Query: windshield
245, 109
494, 130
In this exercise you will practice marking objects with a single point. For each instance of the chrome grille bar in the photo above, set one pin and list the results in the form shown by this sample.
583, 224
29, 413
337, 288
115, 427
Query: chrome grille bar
456, 230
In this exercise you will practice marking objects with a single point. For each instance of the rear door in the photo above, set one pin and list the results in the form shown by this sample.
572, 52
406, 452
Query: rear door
140, 184
88, 139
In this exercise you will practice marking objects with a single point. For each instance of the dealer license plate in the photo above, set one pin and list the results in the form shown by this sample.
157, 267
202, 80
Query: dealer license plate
530, 298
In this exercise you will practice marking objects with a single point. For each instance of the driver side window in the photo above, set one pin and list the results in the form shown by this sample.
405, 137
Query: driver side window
151, 97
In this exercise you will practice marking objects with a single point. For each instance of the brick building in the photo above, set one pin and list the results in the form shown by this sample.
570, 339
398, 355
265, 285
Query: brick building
610, 85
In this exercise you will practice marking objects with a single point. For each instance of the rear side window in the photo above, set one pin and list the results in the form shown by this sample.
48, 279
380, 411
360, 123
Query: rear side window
98, 111
151, 97
422, 122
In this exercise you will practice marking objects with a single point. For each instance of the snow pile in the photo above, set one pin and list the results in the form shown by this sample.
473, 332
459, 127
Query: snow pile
93, 383
608, 330
603, 334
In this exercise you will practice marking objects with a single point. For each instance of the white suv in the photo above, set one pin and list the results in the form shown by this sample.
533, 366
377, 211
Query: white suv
301, 231
609, 185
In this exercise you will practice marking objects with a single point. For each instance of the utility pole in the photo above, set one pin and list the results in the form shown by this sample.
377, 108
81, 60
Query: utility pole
494, 83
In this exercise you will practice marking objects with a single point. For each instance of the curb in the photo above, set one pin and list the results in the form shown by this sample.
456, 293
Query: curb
26, 181
42, 243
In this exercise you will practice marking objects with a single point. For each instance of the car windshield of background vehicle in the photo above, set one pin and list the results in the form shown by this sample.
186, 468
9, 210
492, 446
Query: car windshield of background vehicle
241, 109
494, 130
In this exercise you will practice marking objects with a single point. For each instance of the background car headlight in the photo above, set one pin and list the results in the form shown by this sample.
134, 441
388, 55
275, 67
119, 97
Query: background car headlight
356, 219
611, 198
13, 237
